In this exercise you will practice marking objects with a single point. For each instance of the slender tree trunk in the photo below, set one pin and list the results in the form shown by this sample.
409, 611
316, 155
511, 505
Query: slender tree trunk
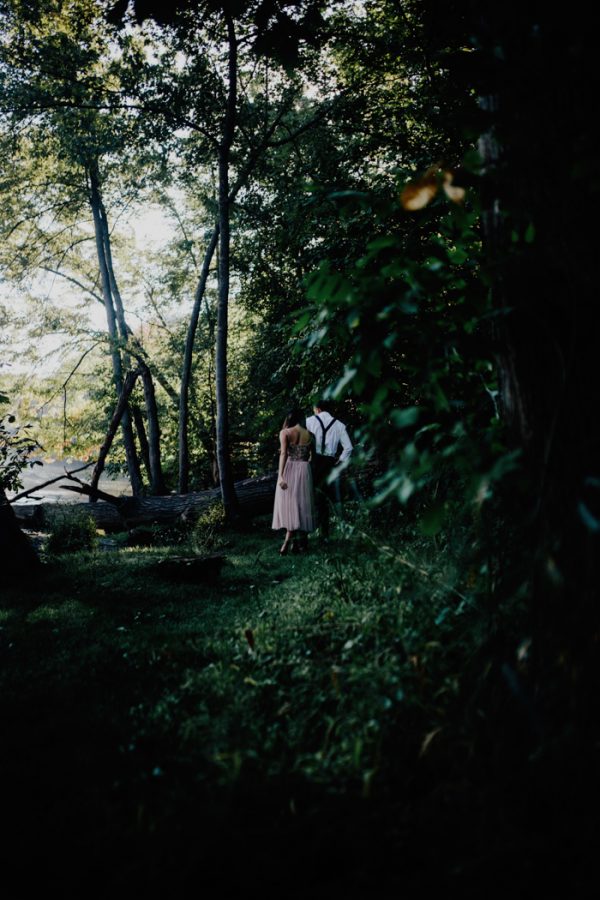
117, 416
140, 430
223, 455
186, 373
150, 445
133, 465
157, 485
239, 183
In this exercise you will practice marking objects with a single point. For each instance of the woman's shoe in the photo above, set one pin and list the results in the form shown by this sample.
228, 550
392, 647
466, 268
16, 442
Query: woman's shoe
286, 547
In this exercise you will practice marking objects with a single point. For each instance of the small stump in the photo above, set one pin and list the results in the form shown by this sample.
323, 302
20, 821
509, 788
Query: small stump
191, 569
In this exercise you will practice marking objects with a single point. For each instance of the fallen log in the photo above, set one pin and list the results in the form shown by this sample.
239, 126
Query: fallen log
255, 497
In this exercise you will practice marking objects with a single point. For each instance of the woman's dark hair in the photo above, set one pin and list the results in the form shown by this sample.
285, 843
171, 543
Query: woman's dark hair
295, 417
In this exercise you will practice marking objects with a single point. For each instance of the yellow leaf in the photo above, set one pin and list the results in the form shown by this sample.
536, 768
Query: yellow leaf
420, 192
454, 193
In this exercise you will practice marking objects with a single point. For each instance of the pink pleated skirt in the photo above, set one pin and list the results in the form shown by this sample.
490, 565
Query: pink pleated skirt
294, 507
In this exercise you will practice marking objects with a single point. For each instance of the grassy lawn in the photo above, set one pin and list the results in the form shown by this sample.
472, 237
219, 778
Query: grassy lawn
303, 722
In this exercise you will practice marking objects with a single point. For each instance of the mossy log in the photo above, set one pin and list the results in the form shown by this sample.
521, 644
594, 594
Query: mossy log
255, 497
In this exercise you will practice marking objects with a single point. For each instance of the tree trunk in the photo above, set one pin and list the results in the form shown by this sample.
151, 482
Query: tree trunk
17, 556
117, 416
255, 497
157, 485
133, 465
186, 372
545, 281
224, 213
150, 444
223, 455
140, 430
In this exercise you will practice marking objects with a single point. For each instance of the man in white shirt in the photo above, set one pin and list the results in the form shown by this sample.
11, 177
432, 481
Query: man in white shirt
328, 433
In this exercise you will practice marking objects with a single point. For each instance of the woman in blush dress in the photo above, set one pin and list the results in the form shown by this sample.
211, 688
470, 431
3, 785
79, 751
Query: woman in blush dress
294, 507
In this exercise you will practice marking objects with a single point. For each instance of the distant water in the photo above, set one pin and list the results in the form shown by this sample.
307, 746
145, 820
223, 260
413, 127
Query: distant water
51, 468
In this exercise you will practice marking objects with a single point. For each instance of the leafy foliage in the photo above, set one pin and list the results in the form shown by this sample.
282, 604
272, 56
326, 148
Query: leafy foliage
411, 316
70, 531
16, 448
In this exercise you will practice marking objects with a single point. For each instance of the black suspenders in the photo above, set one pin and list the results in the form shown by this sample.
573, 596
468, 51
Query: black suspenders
324, 430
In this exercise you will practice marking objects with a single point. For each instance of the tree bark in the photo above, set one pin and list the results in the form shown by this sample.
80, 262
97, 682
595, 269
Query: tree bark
157, 485
133, 465
255, 497
223, 455
224, 211
186, 372
17, 556
117, 416
140, 430
152, 446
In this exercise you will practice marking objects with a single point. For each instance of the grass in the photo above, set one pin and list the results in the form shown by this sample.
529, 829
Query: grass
313, 722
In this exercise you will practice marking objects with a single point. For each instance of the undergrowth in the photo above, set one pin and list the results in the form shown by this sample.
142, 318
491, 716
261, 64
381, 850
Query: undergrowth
356, 688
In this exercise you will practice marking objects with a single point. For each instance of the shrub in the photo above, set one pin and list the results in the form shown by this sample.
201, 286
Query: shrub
206, 534
16, 447
71, 530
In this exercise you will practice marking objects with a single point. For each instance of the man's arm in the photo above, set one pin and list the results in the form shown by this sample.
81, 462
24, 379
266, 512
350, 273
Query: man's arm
346, 444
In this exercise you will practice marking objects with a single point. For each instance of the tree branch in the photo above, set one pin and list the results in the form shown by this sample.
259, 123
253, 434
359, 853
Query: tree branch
73, 281
39, 487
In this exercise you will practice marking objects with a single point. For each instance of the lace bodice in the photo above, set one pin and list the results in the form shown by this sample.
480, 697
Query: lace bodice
299, 452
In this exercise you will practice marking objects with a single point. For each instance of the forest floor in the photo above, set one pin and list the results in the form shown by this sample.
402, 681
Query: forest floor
331, 724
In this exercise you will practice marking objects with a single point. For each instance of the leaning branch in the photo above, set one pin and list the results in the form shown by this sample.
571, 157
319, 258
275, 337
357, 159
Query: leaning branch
45, 484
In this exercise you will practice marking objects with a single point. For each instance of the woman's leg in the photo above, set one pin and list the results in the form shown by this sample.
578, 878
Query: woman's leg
287, 544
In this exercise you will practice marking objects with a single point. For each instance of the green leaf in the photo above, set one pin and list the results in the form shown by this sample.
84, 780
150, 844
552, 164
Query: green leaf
432, 520
403, 418
344, 381
381, 242
442, 615
407, 489
589, 520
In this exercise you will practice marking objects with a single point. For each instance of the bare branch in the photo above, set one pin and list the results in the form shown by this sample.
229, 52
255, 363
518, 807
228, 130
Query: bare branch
45, 484
74, 281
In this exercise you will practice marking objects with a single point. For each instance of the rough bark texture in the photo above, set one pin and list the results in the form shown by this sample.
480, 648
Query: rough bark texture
223, 456
112, 428
186, 372
255, 497
133, 465
157, 484
150, 444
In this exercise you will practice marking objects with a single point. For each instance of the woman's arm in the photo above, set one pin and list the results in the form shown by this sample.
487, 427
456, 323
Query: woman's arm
283, 444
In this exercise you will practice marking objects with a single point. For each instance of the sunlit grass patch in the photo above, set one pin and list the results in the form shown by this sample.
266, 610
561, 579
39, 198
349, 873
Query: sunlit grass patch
70, 611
